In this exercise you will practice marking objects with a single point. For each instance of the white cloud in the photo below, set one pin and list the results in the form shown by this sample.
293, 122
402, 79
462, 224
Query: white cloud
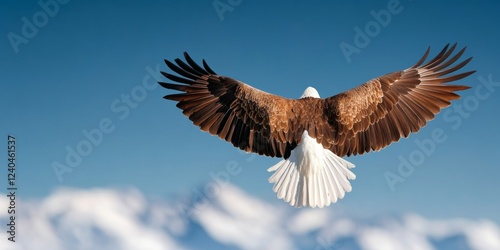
125, 219
237, 219
393, 237
484, 235
308, 220
88, 219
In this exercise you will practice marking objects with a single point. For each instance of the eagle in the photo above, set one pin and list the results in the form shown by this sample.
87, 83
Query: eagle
312, 134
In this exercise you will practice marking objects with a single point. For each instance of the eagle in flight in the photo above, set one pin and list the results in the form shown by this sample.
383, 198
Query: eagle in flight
312, 134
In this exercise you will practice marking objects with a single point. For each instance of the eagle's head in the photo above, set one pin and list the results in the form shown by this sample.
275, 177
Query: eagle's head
310, 92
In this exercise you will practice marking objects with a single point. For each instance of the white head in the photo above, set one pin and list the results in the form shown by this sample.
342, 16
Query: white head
310, 92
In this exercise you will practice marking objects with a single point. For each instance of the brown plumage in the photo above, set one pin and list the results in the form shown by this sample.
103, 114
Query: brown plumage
368, 117
365, 118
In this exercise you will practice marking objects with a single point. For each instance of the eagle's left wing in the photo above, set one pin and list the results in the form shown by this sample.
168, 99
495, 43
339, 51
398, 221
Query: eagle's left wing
248, 118
382, 110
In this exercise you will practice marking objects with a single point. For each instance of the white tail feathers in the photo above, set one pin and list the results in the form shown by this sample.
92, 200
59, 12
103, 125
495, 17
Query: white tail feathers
312, 176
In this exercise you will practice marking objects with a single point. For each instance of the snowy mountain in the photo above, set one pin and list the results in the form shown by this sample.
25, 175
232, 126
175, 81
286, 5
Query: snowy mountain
226, 219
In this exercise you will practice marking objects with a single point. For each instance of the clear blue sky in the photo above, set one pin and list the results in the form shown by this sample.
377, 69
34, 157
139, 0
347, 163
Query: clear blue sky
86, 65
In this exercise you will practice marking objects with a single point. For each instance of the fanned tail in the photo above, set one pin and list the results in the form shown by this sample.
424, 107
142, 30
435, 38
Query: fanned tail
315, 179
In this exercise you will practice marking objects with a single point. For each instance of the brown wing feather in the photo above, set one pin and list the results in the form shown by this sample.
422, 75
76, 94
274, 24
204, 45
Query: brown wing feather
250, 119
384, 109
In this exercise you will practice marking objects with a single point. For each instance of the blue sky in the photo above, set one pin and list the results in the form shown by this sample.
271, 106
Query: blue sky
92, 65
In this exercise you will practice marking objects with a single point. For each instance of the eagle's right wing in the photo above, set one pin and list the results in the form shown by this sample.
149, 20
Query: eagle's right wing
382, 110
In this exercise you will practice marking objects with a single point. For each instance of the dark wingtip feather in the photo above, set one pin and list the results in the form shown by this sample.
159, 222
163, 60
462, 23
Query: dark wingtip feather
174, 97
171, 65
181, 71
438, 58
172, 86
458, 76
164, 84
193, 64
469, 73
164, 73
167, 62
207, 68
177, 78
423, 58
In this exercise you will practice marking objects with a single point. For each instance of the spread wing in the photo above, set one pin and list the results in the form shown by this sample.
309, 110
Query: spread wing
250, 119
384, 109
368, 117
